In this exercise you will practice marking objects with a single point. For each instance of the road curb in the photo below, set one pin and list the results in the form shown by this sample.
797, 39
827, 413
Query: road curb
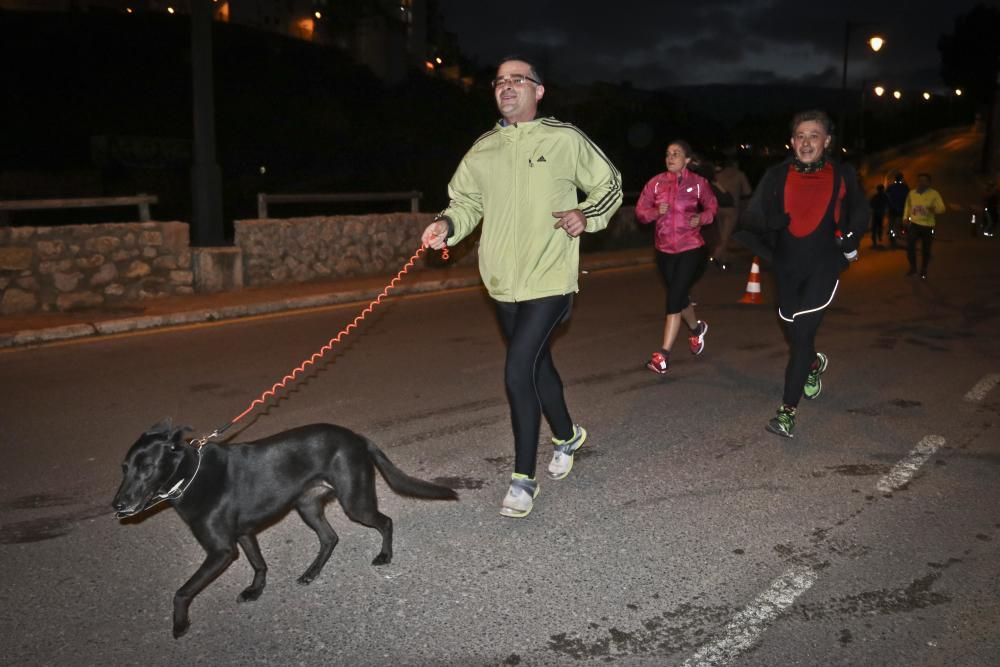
32, 337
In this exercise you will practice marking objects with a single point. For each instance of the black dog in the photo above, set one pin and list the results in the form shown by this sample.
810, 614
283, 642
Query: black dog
228, 493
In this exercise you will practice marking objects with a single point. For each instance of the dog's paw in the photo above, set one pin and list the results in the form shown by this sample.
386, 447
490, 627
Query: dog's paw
250, 594
382, 559
305, 579
180, 629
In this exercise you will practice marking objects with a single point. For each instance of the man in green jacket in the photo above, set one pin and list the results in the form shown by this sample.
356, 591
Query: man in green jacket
521, 180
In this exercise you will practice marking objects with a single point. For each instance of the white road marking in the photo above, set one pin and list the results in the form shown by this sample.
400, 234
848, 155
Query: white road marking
978, 393
750, 623
903, 471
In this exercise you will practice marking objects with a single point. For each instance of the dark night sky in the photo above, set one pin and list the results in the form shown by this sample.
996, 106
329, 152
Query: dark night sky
656, 44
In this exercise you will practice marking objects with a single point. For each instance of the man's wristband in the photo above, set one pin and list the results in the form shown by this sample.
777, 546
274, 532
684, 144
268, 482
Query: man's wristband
445, 219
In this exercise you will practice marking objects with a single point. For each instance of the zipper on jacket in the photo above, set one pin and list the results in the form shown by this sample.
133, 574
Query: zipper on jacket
517, 215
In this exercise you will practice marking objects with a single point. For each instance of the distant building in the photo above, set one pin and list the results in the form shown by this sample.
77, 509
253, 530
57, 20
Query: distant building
389, 36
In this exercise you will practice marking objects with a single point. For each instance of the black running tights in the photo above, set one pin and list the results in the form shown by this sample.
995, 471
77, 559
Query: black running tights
533, 384
680, 271
925, 235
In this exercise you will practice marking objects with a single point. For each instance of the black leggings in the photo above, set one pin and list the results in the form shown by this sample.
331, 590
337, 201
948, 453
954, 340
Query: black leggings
680, 272
533, 385
926, 236
801, 304
877, 220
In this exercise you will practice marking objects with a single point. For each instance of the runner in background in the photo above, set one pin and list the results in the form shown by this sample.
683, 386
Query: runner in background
810, 213
680, 202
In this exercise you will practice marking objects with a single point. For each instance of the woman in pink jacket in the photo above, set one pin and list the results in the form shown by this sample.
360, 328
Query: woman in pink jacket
680, 202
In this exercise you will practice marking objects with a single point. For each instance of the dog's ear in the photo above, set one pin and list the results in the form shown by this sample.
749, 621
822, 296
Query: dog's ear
177, 437
163, 427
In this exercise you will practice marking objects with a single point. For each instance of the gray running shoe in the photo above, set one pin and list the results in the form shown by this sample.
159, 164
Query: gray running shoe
520, 497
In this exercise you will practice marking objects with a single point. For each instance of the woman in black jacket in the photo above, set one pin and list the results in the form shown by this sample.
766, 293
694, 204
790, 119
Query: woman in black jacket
807, 215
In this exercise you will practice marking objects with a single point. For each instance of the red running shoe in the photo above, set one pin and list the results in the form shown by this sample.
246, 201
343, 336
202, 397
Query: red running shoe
697, 339
659, 363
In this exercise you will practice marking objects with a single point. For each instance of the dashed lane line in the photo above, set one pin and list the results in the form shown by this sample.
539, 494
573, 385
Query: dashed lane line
983, 387
741, 633
903, 471
748, 625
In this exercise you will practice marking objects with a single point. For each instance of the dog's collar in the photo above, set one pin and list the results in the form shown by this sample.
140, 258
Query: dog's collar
174, 493
181, 485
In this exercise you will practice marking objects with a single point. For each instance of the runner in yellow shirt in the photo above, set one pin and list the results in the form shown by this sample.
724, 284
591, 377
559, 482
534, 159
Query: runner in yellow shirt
922, 205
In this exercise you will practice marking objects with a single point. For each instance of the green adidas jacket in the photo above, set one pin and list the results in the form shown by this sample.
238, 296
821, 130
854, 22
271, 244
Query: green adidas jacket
512, 179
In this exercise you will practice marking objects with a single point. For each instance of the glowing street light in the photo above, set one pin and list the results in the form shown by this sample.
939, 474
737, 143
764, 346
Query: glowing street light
958, 92
170, 10
927, 96
876, 43
897, 94
318, 14
438, 60
879, 90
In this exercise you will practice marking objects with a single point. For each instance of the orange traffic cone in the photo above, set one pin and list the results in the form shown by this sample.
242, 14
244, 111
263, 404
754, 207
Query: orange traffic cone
752, 294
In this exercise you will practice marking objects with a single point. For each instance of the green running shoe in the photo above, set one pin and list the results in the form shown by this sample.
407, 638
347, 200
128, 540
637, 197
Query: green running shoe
520, 496
814, 383
783, 423
563, 451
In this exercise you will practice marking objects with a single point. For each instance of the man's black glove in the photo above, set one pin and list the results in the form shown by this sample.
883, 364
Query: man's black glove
849, 246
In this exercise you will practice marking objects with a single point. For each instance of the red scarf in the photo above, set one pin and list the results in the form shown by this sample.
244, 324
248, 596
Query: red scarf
807, 197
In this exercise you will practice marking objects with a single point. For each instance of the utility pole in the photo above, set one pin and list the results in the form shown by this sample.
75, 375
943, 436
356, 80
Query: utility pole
842, 124
206, 178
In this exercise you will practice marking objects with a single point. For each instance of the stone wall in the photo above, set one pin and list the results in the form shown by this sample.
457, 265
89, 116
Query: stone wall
87, 266
277, 251
108, 265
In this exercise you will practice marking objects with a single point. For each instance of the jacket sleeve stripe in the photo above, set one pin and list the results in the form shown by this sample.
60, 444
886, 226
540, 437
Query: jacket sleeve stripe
615, 193
606, 202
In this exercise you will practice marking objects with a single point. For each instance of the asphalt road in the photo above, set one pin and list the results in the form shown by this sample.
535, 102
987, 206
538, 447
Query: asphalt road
685, 535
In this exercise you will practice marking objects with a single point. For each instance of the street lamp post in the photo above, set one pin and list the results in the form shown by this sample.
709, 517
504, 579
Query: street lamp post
206, 178
861, 121
875, 42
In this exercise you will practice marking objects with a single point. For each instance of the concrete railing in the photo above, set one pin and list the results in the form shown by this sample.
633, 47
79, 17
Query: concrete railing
263, 199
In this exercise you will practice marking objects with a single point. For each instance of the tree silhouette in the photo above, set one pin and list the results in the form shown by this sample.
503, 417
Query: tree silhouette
970, 60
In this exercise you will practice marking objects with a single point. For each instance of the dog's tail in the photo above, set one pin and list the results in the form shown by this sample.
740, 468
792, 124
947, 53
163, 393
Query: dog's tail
405, 485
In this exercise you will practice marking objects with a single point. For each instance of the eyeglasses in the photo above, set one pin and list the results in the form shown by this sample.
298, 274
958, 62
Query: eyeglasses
514, 80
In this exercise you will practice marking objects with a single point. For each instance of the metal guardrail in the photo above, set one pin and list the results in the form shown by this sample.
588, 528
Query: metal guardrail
142, 201
263, 199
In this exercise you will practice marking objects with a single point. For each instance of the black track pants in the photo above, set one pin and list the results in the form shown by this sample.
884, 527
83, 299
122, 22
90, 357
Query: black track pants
533, 384
801, 303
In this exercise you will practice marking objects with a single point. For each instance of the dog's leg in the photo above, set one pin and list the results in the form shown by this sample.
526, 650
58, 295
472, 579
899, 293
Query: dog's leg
365, 511
310, 508
215, 562
252, 550
382, 524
